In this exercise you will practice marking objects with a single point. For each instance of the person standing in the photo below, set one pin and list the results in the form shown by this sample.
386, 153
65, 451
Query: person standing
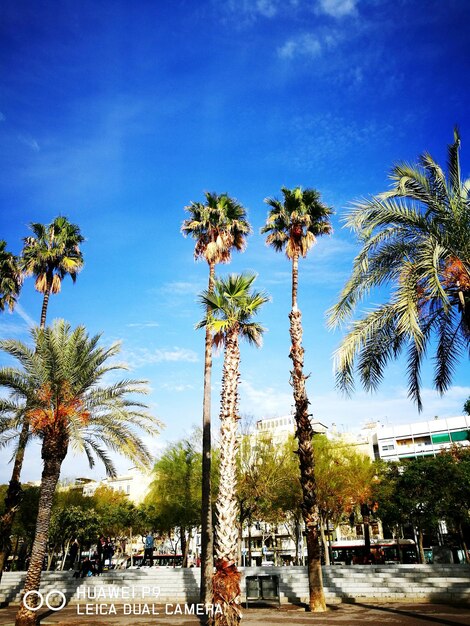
101, 551
148, 548
73, 553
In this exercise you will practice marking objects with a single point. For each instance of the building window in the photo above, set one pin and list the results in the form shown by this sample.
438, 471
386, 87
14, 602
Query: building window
408, 441
440, 438
460, 435
389, 447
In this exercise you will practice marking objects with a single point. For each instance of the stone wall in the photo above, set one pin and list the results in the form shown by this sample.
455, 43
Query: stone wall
430, 583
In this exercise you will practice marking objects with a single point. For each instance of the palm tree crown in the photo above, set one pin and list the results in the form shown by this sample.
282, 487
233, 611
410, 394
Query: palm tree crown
416, 240
50, 254
231, 306
58, 389
294, 224
10, 278
218, 226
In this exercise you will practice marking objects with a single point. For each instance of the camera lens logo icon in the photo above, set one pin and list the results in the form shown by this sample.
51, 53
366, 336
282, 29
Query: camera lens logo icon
44, 599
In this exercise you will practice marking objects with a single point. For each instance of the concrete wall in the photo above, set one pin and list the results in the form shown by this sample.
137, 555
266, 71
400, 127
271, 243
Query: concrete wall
431, 583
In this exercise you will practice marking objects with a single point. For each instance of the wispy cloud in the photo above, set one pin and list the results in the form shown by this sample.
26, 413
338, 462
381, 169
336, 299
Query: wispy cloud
24, 316
350, 414
307, 45
304, 45
176, 387
143, 325
30, 142
9, 329
337, 8
320, 138
392, 406
181, 288
250, 10
265, 401
145, 356
2, 117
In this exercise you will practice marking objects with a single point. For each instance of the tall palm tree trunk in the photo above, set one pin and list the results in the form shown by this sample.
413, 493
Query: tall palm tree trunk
14, 492
226, 582
207, 533
12, 499
295, 280
304, 434
365, 512
53, 453
45, 303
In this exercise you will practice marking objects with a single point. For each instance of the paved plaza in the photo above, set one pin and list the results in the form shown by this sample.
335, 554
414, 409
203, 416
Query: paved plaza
357, 614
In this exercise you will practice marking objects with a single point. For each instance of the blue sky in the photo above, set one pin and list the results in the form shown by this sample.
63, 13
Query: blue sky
117, 114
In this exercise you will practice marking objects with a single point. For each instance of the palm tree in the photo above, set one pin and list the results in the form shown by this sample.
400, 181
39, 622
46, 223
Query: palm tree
230, 307
293, 226
10, 278
60, 384
416, 241
51, 254
218, 226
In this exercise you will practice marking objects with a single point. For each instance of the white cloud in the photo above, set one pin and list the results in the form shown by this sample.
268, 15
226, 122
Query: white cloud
181, 288
143, 325
393, 406
349, 414
144, 356
24, 316
305, 45
265, 401
176, 387
253, 9
337, 8
29, 141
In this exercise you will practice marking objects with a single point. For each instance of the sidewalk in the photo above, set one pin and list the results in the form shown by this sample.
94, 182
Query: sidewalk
405, 614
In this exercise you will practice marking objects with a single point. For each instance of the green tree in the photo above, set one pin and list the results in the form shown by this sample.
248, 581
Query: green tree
61, 383
452, 472
268, 488
466, 407
24, 525
416, 241
344, 480
10, 278
230, 309
219, 226
175, 493
68, 523
412, 492
293, 226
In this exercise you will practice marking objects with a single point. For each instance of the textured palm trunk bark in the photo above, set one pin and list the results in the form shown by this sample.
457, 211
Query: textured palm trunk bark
365, 512
226, 581
207, 533
422, 558
184, 546
304, 434
45, 302
324, 541
12, 499
54, 450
